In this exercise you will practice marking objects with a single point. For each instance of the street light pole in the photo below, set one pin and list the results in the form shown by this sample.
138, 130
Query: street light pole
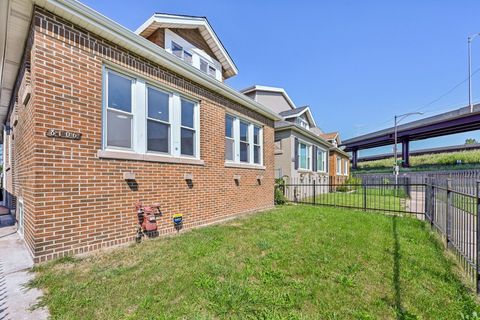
397, 119
469, 42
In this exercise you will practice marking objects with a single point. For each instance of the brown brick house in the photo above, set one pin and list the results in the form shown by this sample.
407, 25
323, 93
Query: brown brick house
339, 160
97, 117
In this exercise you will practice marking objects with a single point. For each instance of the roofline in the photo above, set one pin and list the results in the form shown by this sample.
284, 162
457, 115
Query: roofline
302, 112
337, 149
270, 89
198, 20
100, 24
306, 133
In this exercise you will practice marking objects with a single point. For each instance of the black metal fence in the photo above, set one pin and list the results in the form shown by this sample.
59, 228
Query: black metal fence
451, 212
461, 180
401, 197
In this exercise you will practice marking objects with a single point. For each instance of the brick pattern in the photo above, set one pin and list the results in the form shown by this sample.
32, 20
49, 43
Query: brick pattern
76, 202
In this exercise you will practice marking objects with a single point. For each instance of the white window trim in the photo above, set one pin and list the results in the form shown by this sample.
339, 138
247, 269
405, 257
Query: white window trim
339, 167
309, 156
324, 159
236, 144
345, 167
196, 53
140, 112
105, 109
305, 123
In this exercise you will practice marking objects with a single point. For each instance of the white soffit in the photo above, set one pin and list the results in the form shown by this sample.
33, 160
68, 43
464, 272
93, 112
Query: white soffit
15, 16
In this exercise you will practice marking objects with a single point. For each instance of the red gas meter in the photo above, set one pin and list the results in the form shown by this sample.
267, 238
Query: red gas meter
147, 219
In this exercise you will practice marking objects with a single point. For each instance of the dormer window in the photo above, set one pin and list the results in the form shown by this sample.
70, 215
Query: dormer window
212, 71
303, 123
192, 55
187, 56
177, 50
203, 65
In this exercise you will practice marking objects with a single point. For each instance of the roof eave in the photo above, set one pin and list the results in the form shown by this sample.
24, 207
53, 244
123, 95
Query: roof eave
270, 89
311, 135
99, 24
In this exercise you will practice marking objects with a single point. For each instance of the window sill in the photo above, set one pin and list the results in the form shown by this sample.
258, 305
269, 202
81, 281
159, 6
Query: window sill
244, 165
304, 171
126, 155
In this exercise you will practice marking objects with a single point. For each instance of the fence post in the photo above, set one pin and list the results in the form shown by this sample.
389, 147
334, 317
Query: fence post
432, 203
477, 246
447, 212
314, 191
364, 196
426, 189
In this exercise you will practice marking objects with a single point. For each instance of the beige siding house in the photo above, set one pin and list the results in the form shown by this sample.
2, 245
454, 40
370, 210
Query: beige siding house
301, 155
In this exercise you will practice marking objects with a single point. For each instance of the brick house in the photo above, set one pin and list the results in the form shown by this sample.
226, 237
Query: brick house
339, 160
97, 117
301, 155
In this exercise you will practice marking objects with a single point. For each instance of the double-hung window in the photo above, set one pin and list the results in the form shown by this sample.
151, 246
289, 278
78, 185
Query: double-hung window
243, 141
229, 138
158, 120
339, 166
143, 118
345, 167
321, 160
304, 156
188, 130
119, 110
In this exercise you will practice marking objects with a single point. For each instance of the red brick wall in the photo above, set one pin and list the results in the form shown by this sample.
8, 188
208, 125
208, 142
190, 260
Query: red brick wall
81, 202
332, 167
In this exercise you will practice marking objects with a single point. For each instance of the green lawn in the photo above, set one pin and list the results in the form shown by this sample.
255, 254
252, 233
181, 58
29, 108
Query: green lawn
294, 262
376, 198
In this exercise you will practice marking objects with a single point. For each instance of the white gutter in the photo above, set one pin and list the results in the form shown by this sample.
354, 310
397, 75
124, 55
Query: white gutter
99, 24
4, 10
311, 135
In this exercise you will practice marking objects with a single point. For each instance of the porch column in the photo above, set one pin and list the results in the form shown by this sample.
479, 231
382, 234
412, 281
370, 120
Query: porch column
354, 159
405, 154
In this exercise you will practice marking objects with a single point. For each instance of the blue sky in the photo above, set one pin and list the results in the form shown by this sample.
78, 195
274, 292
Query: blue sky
356, 63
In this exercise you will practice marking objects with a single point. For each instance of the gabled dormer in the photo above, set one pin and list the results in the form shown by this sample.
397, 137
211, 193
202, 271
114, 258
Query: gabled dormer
332, 137
301, 116
192, 40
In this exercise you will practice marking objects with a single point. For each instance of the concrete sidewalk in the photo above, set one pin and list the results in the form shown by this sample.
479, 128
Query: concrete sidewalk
16, 300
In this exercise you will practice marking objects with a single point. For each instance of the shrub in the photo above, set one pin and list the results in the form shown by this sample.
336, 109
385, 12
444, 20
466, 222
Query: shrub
279, 197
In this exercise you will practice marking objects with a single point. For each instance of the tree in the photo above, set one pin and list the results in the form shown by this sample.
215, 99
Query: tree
470, 141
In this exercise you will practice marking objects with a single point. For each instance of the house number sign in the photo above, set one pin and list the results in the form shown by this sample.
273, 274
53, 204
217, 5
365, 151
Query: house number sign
53, 133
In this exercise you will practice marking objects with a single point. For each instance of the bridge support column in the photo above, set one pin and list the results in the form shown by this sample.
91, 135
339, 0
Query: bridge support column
405, 154
354, 159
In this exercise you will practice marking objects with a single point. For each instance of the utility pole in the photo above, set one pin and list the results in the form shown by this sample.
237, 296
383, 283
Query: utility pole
469, 42
397, 120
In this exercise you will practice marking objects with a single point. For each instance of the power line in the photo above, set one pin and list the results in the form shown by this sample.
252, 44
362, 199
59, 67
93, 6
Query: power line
429, 103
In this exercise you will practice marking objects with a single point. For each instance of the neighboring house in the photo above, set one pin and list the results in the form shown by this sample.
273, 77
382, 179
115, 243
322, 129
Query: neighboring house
97, 117
301, 155
339, 160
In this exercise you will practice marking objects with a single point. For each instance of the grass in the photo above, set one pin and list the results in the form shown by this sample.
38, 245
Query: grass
376, 198
444, 161
295, 262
